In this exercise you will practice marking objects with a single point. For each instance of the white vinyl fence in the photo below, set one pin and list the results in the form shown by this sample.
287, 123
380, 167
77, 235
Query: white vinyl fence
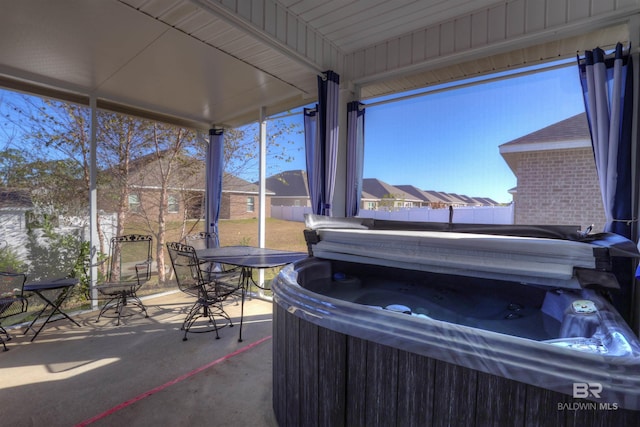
13, 230
461, 215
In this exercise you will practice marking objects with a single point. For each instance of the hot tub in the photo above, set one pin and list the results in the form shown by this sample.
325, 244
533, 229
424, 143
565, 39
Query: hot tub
401, 324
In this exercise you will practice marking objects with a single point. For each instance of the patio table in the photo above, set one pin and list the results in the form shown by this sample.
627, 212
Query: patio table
53, 293
248, 258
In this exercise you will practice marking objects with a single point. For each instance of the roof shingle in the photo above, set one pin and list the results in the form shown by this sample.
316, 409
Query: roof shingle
575, 127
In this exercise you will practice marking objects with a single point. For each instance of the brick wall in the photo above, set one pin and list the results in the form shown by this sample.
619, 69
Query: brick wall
235, 206
559, 187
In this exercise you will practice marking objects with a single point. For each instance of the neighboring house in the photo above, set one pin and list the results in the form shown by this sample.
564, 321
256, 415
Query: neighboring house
426, 199
556, 176
241, 199
462, 200
388, 196
442, 199
186, 198
439, 199
368, 201
290, 188
485, 201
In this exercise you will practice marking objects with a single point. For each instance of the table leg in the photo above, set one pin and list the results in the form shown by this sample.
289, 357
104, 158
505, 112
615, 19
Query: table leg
48, 303
56, 309
244, 276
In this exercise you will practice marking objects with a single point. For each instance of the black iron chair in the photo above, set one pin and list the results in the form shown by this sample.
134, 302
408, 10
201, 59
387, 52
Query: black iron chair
209, 288
129, 268
203, 240
13, 301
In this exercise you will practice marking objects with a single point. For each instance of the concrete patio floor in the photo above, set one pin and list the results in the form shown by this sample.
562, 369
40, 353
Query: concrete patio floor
140, 373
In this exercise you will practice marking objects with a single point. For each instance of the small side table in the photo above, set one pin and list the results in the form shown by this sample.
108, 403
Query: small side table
53, 292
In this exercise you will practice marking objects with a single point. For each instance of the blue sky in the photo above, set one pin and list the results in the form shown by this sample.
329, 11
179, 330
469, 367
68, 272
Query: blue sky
448, 141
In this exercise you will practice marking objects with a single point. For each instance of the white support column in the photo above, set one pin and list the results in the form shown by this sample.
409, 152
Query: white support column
94, 243
262, 182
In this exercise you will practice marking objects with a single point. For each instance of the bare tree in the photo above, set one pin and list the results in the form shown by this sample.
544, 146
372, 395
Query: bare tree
171, 167
123, 140
241, 147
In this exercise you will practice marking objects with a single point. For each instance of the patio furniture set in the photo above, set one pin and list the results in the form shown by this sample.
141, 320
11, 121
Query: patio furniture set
213, 274
209, 274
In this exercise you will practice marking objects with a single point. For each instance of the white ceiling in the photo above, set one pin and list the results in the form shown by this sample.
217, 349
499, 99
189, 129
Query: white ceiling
216, 62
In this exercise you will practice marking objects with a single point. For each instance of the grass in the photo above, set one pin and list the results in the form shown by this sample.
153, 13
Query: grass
279, 234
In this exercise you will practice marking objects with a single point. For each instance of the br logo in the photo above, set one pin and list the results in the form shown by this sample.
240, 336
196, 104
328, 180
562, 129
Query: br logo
585, 390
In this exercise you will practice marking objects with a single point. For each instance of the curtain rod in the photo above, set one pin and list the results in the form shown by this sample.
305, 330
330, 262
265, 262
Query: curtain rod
434, 91
487, 80
463, 85
284, 116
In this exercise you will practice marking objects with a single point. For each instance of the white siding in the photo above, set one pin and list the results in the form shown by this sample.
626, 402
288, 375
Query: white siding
525, 24
271, 17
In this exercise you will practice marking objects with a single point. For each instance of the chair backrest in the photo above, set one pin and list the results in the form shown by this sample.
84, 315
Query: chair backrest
130, 259
186, 266
12, 300
201, 240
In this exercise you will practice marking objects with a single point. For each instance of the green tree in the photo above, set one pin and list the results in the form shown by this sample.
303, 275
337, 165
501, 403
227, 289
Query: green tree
388, 202
10, 261
53, 254
54, 141
14, 168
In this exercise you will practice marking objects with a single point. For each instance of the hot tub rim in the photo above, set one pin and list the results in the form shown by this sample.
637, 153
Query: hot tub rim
546, 366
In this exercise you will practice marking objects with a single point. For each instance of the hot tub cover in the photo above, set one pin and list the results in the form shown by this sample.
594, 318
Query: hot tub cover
550, 256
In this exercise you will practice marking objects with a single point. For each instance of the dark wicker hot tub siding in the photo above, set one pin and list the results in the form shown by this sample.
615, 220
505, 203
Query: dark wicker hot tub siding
325, 378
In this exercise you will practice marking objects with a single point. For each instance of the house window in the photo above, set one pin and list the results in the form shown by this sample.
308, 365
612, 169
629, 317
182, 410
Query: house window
134, 203
250, 204
173, 206
296, 203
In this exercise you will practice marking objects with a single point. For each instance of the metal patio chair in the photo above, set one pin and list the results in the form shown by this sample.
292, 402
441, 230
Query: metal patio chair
210, 289
13, 301
203, 240
129, 268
